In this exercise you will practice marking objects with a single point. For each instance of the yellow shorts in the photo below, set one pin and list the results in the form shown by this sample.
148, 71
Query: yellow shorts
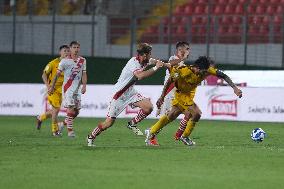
55, 99
183, 100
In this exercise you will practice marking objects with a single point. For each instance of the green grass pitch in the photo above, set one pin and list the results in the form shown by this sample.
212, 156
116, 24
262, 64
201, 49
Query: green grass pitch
224, 157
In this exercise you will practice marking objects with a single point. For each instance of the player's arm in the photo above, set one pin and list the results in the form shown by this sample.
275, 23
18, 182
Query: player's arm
226, 78
84, 81
144, 74
160, 101
45, 75
174, 62
51, 89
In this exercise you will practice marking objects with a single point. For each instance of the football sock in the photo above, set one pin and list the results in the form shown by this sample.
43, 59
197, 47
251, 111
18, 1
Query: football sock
189, 128
163, 121
182, 124
54, 127
97, 131
69, 121
139, 117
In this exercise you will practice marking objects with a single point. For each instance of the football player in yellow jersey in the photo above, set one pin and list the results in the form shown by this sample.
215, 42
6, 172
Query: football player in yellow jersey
54, 99
186, 79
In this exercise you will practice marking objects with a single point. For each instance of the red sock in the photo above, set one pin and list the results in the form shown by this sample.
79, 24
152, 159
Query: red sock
139, 117
97, 131
69, 121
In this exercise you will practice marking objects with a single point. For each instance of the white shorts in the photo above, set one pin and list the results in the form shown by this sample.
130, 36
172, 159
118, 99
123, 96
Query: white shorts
129, 97
167, 105
72, 99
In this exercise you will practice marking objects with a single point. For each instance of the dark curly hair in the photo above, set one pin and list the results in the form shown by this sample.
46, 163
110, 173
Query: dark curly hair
203, 62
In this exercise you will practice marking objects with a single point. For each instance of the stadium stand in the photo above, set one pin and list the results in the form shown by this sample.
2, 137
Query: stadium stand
228, 18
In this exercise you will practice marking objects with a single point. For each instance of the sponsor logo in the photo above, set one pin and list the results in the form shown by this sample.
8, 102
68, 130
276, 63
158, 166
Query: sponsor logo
223, 105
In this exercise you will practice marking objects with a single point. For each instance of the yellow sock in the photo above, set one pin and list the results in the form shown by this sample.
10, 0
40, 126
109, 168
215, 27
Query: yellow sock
189, 128
54, 127
163, 121
43, 117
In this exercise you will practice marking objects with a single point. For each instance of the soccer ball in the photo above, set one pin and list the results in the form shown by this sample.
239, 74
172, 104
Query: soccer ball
258, 135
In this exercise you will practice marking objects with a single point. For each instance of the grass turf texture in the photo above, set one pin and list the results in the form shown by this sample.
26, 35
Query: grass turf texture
225, 157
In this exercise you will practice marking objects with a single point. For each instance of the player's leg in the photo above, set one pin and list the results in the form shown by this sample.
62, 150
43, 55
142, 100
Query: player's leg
116, 106
42, 117
55, 101
54, 122
196, 114
102, 126
182, 125
163, 121
69, 119
146, 107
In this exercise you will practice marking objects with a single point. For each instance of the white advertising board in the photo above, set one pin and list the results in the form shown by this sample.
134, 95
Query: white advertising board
216, 103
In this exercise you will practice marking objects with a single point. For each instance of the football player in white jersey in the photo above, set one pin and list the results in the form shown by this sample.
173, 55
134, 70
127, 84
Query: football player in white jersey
75, 80
125, 93
164, 105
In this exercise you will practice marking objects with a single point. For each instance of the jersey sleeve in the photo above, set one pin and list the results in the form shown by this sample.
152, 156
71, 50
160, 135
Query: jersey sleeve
212, 71
61, 65
48, 68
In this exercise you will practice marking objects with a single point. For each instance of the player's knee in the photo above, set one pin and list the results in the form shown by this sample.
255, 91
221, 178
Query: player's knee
196, 116
148, 109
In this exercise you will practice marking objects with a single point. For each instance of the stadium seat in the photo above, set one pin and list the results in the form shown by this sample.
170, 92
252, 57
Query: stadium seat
199, 9
256, 20
274, 1
277, 19
270, 9
218, 9
252, 30
265, 2
229, 9
251, 9
226, 20
175, 20
239, 9
242, 2
222, 2
277, 30
237, 20
233, 30
196, 20
202, 1
184, 20
181, 30
222, 30
279, 9
266, 19
233, 2
263, 30
188, 10
254, 2
260, 9
179, 10
165, 21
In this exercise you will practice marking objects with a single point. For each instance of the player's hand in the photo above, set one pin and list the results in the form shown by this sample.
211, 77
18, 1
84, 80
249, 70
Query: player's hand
238, 92
83, 89
167, 65
159, 64
50, 90
160, 102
